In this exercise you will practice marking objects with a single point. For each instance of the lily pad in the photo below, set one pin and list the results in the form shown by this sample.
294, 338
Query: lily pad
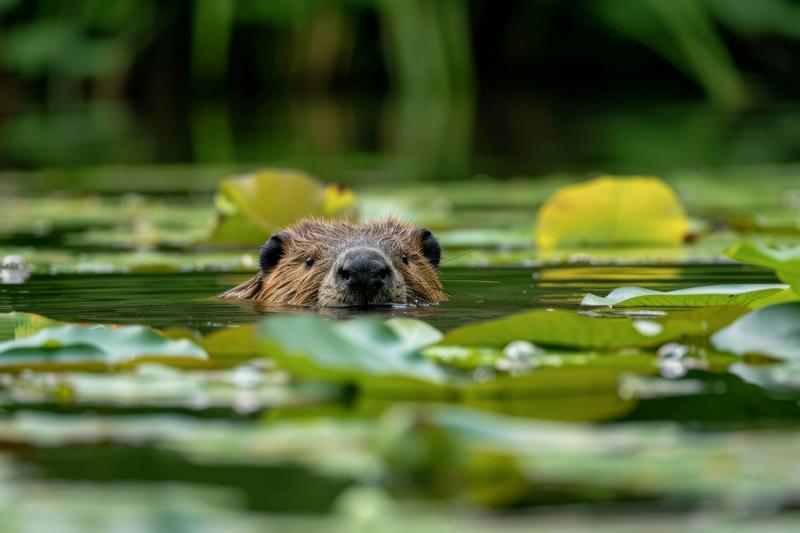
253, 206
692, 297
785, 262
16, 325
612, 211
773, 331
416, 334
112, 345
572, 330
352, 351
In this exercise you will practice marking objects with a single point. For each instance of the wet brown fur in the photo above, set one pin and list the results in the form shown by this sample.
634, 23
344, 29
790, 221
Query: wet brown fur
291, 282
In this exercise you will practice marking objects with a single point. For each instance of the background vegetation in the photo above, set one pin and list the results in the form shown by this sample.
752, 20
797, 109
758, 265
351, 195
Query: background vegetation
434, 89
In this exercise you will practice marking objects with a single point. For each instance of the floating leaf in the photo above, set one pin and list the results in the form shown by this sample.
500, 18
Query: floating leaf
785, 262
71, 343
232, 343
415, 334
612, 211
16, 325
309, 346
773, 331
253, 206
692, 297
572, 330
246, 389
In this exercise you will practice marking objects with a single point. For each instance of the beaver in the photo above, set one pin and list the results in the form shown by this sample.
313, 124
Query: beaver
326, 263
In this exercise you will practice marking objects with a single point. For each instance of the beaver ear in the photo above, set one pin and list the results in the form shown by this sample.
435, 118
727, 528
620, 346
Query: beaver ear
430, 247
272, 251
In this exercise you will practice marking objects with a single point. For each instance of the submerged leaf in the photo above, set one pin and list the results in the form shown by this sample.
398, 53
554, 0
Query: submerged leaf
612, 211
785, 262
572, 330
72, 343
253, 206
773, 331
309, 346
692, 297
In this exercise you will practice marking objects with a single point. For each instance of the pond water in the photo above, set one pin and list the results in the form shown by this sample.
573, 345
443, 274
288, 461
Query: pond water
187, 299
108, 248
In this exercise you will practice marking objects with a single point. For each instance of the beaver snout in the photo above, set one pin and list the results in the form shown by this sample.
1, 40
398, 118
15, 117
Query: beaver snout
364, 271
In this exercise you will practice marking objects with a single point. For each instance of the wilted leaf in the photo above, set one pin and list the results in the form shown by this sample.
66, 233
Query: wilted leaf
692, 297
71, 343
572, 330
785, 262
612, 211
355, 350
773, 331
253, 206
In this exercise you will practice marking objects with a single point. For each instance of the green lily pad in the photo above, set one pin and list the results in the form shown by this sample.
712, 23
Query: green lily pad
356, 350
246, 388
785, 262
773, 331
16, 325
572, 330
612, 211
416, 334
112, 345
253, 206
692, 297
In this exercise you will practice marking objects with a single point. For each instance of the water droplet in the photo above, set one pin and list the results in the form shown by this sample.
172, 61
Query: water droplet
672, 369
521, 350
246, 377
14, 270
648, 328
673, 351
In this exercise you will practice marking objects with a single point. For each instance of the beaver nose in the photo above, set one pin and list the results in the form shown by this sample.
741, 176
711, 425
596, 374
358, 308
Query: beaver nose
364, 271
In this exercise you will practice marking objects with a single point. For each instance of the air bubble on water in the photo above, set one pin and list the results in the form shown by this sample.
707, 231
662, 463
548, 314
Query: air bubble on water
673, 351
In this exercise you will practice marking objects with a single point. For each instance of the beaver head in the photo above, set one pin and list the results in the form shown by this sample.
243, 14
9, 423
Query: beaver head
331, 263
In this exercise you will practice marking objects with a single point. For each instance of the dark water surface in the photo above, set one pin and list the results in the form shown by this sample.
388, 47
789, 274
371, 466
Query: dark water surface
188, 299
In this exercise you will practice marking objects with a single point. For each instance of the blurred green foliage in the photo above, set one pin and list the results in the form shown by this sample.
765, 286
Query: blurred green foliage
427, 46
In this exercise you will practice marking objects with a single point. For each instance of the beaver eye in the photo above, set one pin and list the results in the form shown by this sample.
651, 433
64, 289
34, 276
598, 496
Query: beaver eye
405, 259
309, 261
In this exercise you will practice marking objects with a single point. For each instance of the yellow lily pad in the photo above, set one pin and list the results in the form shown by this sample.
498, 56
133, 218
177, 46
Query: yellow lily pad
253, 206
612, 211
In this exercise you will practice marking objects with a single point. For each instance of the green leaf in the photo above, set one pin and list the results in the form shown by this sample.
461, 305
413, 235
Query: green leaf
692, 297
16, 325
253, 206
773, 331
415, 334
785, 262
366, 348
572, 330
71, 343
612, 211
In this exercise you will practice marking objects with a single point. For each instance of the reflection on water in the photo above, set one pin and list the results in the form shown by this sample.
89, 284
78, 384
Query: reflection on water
187, 299
408, 138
